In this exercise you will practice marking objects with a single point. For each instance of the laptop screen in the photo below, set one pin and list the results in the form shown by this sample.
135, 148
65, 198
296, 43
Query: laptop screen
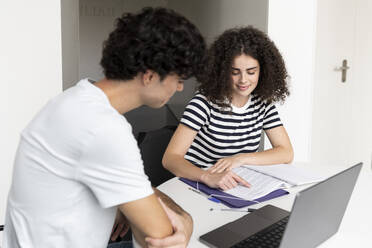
318, 211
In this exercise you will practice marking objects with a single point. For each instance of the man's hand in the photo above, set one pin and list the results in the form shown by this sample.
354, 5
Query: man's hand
182, 230
121, 226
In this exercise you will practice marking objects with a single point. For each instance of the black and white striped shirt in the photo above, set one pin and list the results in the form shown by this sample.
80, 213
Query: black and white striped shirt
221, 133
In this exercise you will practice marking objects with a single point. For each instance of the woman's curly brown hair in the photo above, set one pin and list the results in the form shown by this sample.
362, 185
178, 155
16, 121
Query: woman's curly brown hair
216, 83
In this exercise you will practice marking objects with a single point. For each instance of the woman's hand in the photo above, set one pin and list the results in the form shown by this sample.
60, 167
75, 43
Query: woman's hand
224, 180
227, 164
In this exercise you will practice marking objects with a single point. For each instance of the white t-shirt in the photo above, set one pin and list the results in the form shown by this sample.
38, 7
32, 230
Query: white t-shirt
76, 162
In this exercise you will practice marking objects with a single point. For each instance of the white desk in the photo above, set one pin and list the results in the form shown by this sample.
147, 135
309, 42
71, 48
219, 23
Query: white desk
355, 229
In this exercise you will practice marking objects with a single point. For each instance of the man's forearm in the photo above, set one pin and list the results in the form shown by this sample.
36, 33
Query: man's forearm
182, 224
188, 222
171, 204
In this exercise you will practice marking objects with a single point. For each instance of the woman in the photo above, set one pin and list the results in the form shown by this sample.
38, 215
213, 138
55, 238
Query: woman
222, 125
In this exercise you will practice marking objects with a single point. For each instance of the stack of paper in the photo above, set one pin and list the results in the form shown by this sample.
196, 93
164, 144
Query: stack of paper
261, 184
265, 179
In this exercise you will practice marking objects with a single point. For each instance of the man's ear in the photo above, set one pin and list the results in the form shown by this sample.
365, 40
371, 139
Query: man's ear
149, 77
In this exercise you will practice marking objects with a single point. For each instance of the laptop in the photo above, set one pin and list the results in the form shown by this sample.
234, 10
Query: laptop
316, 215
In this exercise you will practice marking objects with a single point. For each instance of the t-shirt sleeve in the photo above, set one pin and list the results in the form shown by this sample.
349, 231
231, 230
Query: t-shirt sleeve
196, 113
271, 117
112, 168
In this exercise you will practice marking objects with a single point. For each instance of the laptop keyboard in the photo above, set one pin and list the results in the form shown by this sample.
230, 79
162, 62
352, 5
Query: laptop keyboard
270, 237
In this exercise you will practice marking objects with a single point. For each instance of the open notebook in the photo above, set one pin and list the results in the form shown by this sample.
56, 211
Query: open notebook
267, 182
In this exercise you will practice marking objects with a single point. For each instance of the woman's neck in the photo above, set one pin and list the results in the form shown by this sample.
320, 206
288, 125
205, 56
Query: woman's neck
240, 101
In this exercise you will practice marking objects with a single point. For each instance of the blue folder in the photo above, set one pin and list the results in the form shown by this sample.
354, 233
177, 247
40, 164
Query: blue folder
230, 200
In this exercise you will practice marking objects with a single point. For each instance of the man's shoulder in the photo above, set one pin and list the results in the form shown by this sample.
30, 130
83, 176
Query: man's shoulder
77, 115
90, 107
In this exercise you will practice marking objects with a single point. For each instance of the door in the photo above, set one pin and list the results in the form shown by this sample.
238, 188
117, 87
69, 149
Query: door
332, 119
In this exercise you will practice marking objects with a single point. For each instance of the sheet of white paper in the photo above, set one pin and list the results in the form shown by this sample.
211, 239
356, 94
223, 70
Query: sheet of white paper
261, 184
290, 173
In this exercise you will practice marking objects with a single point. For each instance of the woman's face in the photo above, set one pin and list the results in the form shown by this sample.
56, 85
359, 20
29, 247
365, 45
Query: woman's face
245, 72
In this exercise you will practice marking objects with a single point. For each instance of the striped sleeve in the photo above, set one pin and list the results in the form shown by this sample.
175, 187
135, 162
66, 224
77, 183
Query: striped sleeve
271, 118
196, 113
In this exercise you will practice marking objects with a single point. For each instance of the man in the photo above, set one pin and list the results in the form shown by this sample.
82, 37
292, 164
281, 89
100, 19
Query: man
78, 164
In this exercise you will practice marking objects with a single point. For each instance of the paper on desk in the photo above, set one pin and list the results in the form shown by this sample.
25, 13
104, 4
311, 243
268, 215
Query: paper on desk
289, 173
230, 200
261, 184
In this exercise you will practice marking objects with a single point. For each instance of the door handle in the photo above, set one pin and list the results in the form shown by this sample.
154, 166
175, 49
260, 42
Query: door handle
343, 70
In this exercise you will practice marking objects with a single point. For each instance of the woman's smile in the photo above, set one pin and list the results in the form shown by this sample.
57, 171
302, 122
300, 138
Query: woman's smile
243, 87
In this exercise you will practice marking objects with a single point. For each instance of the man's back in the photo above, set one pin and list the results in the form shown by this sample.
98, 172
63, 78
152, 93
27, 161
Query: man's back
69, 170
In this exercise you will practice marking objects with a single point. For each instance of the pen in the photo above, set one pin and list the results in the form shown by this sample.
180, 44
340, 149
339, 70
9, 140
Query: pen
208, 197
196, 191
234, 210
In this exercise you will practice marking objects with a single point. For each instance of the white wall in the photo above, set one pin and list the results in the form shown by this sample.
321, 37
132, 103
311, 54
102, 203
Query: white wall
70, 42
291, 25
30, 65
362, 140
213, 17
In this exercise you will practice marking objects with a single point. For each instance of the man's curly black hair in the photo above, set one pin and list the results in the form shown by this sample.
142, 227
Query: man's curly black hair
155, 38
216, 83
